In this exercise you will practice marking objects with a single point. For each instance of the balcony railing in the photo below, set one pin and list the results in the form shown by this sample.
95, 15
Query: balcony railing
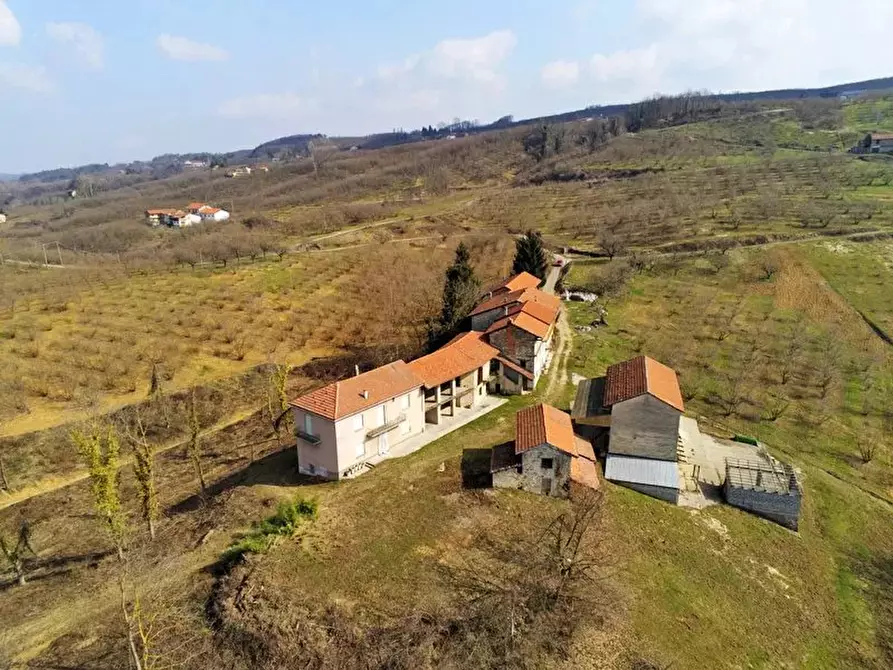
385, 427
308, 437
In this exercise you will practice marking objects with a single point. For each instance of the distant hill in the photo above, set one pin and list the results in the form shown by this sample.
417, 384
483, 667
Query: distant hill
296, 145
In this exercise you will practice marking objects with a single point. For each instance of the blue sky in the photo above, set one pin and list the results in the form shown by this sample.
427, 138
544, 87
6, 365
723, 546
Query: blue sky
105, 81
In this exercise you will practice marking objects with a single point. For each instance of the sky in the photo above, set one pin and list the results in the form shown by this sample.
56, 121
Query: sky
86, 81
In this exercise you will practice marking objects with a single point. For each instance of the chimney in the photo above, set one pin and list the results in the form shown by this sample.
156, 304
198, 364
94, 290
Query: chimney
356, 370
365, 395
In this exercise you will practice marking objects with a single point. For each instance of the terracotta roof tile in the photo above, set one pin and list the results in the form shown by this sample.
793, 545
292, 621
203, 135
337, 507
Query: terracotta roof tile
881, 137
196, 205
543, 424
349, 396
584, 448
525, 322
521, 281
638, 376
462, 354
519, 297
585, 472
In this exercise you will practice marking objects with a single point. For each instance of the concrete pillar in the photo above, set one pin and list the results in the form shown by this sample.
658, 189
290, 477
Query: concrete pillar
437, 405
453, 399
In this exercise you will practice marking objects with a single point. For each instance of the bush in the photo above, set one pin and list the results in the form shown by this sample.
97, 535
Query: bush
285, 522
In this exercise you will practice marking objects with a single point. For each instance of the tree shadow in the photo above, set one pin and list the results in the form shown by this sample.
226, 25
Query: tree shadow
877, 570
277, 469
40, 568
476, 469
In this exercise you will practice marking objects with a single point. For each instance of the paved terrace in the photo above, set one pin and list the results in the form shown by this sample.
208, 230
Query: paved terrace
435, 431
702, 463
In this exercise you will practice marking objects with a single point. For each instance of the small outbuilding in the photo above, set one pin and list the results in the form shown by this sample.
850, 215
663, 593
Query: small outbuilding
545, 457
767, 488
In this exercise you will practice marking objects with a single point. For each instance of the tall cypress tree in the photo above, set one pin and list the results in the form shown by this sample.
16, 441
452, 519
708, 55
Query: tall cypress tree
530, 255
461, 290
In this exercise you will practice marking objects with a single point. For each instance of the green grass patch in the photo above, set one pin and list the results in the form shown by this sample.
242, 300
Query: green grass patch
285, 522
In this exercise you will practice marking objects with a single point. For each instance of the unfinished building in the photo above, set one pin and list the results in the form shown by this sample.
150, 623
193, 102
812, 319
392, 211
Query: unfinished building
767, 488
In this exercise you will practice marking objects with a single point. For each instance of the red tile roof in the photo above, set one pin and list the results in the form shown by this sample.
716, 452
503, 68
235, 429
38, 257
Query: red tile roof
196, 205
525, 322
461, 355
520, 282
207, 209
636, 377
881, 137
585, 472
355, 394
543, 424
519, 297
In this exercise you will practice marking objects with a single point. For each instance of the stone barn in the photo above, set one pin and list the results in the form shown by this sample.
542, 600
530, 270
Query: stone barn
767, 488
545, 457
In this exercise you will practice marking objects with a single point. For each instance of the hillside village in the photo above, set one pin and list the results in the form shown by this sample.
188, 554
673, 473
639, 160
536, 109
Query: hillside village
630, 422
194, 213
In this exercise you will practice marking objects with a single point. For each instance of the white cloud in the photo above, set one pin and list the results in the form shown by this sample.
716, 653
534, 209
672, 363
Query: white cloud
476, 58
10, 30
560, 73
182, 48
745, 45
28, 77
86, 42
265, 105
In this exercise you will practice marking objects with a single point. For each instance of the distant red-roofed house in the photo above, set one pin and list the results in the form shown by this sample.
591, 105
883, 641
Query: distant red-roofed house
881, 143
208, 213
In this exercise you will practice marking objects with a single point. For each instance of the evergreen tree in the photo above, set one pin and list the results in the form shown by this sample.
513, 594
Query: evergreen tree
530, 255
461, 290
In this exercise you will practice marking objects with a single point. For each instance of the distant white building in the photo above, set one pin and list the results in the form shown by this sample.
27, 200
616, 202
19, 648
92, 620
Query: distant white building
2, 218
208, 213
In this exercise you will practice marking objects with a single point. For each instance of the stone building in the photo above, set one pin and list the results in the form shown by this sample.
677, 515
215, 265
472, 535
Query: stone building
545, 457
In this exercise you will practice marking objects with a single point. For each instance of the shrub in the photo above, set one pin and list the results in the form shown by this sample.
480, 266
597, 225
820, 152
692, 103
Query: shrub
285, 522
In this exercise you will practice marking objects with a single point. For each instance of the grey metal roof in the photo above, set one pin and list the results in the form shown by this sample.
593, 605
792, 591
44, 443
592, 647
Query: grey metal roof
642, 471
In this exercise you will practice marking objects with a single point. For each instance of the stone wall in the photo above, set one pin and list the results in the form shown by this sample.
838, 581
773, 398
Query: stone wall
781, 508
533, 475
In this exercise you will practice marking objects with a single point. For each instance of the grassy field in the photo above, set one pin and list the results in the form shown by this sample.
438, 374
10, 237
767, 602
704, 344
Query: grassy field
777, 339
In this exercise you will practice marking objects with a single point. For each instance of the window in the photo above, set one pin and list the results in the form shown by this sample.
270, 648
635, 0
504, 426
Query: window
358, 422
404, 402
308, 424
547, 463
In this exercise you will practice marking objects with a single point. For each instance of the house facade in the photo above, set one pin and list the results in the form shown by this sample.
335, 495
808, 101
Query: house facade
546, 456
341, 426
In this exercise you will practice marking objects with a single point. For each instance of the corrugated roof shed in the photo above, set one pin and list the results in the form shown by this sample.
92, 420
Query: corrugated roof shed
646, 471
